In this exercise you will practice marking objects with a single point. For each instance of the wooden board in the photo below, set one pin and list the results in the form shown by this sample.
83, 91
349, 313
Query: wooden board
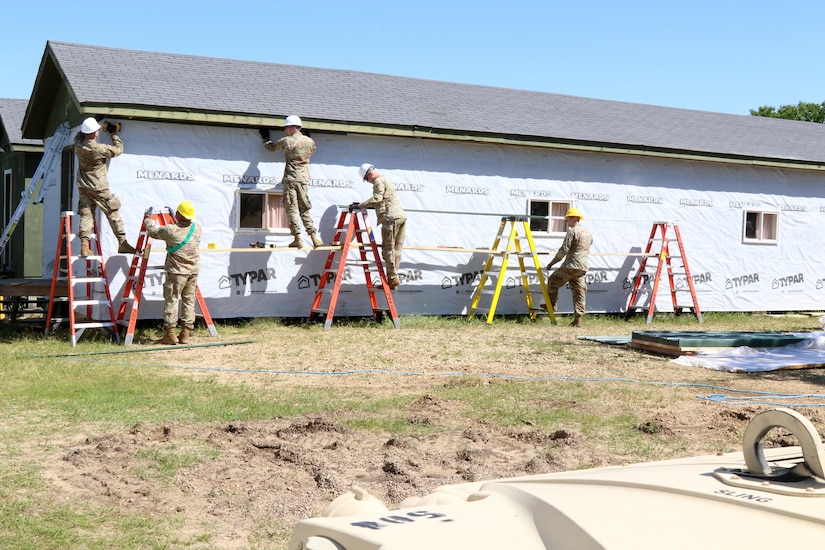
677, 343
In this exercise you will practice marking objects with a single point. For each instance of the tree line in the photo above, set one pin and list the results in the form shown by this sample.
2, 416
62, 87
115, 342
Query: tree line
808, 112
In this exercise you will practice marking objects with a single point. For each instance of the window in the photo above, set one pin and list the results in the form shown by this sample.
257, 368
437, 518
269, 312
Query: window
551, 214
66, 179
8, 212
761, 227
261, 210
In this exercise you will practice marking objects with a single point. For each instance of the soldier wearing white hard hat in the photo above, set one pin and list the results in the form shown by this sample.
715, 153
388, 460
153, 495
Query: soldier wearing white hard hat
93, 184
297, 148
390, 215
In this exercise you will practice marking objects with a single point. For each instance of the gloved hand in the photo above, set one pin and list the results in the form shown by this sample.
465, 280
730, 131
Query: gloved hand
264, 133
354, 206
111, 127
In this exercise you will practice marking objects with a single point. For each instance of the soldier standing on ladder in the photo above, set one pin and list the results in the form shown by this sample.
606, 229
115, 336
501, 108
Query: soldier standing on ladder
390, 215
297, 149
575, 249
182, 267
93, 184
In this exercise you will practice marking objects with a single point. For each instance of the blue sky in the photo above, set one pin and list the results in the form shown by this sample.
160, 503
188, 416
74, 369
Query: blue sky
723, 55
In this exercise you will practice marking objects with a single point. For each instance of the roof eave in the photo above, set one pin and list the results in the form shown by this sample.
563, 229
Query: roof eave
140, 112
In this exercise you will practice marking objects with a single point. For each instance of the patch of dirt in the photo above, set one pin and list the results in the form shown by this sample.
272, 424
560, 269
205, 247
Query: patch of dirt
290, 469
265, 475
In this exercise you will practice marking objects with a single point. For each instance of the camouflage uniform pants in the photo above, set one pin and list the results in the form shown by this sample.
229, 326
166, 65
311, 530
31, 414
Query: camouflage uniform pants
179, 287
392, 243
88, 201
578, 287
297, 206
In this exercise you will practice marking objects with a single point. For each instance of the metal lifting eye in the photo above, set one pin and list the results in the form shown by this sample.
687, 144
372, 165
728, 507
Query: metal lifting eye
813, 451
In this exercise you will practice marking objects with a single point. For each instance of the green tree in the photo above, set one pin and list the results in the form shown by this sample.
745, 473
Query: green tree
808, 112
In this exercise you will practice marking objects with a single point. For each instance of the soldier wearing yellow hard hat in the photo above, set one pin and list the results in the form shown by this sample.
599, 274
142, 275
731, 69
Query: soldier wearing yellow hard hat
575, 250
182, 268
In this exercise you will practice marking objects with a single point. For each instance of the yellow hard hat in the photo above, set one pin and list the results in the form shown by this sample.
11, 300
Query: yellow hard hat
574, 213
187, 210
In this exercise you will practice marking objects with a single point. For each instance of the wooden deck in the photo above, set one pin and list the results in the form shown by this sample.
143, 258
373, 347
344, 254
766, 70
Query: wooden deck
21, 296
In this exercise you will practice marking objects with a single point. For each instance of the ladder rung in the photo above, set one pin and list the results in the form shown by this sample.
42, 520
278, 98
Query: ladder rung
95, 324
78, 280
481, 310
320, 310
91, 303
74, 258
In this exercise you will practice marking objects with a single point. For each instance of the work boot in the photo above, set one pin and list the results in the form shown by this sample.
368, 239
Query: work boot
296, 242
577, 321
85, 250
183, 337
316, 242
394, 283
124, 247
169, 337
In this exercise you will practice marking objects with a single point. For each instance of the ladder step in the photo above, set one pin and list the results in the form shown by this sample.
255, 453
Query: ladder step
95, 324
78, 280
91, 303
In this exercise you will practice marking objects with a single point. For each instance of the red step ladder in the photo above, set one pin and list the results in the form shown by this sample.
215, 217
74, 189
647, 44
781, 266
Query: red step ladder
664, 258
94, 276
133, 289
353, 225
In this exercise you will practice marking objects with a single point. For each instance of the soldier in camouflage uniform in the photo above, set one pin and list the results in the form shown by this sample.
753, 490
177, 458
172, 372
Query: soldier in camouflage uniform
391, 217
575, 249
297, 149
182, 267
93, 184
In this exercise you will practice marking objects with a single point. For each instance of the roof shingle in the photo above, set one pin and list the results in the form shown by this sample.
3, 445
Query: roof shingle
185, 82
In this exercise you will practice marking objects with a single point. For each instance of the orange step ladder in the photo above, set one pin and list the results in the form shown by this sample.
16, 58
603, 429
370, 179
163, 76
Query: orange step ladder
94, 276
353, 225
663, 233
133, 289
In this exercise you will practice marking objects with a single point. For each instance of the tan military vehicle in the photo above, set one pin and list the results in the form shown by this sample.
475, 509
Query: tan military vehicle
758, 498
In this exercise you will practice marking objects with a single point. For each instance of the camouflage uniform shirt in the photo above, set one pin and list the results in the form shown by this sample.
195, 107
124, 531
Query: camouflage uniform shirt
186, 259
385, 201
576, 246
297, 149
91, 161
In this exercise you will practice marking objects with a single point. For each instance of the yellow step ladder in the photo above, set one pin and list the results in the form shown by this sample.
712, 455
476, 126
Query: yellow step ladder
517, 229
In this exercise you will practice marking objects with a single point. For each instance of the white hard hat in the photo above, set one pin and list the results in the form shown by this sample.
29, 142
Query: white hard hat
89, 126
293, 120
366, 167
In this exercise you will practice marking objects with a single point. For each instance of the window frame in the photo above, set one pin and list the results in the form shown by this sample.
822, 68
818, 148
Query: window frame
551, 220
760, 227
266, 226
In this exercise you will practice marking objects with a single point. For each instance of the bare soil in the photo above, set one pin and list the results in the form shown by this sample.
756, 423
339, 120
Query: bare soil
270, 473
